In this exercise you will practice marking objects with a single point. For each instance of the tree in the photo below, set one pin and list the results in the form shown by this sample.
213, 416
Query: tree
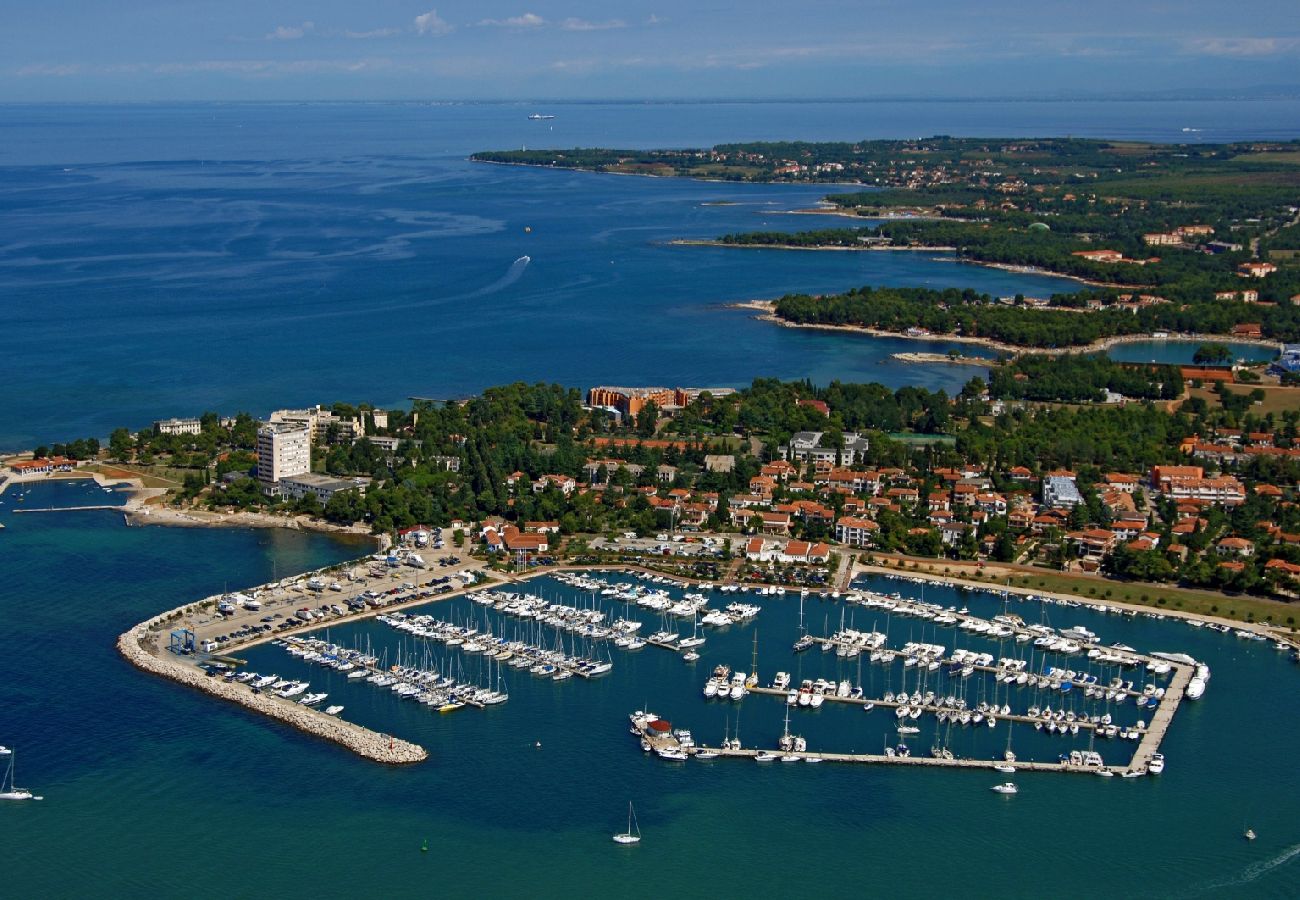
647, 419
1212, 354
120, 444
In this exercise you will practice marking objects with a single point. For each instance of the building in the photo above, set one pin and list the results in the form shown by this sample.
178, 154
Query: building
1289, 361
318, 422
1106, 256
629, 401
43, 465
1058, 490
283, 450
725, 462
1256, 269
322, 487
1159, 239
854, 531
178, 426
806, 445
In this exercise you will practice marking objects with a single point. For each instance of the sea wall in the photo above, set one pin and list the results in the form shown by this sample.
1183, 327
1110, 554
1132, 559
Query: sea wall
135, 646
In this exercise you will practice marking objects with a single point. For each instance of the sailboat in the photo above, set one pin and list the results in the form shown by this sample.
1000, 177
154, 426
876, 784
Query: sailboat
8, 791
629, 837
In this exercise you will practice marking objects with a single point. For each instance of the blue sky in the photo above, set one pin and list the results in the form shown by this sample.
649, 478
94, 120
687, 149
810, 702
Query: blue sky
577, 49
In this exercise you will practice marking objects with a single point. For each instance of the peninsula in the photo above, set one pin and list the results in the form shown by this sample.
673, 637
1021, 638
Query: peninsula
1190, 238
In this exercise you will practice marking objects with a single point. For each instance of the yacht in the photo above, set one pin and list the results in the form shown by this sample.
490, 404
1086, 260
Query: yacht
629, 837
9, 790
1005, 769
541, 117
1157, 763
1006, 787
766, 756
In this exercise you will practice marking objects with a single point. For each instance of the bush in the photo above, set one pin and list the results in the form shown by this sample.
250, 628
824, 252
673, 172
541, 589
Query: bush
1162, 601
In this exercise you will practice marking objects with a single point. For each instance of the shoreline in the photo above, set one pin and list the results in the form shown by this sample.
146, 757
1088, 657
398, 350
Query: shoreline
138, 510
704, 242
1003, 267
944, 359
766, 310
1272, 632
133, 644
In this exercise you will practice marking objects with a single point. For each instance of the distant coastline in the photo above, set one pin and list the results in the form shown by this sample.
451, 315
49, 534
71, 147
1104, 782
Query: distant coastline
766, 310
1005, 267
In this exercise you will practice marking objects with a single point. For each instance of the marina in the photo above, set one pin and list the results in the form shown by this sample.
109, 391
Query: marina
599, 766
1065, 684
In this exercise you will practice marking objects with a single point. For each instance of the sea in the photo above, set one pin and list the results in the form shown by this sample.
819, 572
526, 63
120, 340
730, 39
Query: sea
168, 260
159, 260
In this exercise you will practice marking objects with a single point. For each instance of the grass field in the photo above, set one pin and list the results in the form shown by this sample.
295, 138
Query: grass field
1276, 399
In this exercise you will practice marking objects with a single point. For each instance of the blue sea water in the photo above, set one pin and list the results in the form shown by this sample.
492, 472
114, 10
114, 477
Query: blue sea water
151, 787
158, 260
164, 260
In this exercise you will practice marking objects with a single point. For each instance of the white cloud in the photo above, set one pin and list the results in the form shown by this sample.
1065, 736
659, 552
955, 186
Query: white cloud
291, 32
527, 20
584, 25
373, 33
431, 23
1246, 46
57, 70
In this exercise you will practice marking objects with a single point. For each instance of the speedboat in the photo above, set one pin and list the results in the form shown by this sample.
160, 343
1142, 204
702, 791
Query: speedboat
1006, 787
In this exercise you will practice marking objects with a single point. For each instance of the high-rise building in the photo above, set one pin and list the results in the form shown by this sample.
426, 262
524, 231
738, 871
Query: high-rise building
283, 450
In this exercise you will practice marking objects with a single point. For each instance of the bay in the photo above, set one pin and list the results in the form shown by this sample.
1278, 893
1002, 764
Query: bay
146, 781
163, 260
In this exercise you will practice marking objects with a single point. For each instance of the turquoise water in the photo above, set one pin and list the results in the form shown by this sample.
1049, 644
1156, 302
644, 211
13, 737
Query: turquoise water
163, 260
152, 787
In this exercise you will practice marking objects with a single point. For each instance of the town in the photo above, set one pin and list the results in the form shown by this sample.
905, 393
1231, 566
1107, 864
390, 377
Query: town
778, 482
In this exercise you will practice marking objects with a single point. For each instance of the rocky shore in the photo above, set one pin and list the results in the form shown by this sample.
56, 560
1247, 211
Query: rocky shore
140, 646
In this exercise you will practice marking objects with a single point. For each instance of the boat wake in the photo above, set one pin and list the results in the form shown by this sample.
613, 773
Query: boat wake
1254, 871
513, 274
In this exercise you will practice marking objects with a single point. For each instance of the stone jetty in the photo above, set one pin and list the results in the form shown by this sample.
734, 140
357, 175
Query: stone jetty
140, 647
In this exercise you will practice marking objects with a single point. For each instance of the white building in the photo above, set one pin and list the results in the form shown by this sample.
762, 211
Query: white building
283, 450
1061, 491
323, 487
319, 420
178, 426
806, 445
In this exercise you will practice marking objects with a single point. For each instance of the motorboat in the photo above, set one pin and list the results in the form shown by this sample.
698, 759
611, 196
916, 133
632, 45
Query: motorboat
1006, 787
1157, 763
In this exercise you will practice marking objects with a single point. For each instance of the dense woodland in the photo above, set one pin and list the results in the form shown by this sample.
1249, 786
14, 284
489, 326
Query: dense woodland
971, 314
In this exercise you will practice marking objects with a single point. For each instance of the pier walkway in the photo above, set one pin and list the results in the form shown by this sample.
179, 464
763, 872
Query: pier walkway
896, 760
119, 507
926, 708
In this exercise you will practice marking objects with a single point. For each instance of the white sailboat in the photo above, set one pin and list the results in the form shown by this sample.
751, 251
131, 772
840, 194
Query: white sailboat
8, 790
629, 837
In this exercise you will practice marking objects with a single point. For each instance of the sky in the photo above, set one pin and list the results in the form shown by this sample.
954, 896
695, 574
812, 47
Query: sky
152, 50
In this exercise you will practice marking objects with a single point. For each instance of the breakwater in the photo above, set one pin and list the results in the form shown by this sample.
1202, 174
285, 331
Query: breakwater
140, 647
